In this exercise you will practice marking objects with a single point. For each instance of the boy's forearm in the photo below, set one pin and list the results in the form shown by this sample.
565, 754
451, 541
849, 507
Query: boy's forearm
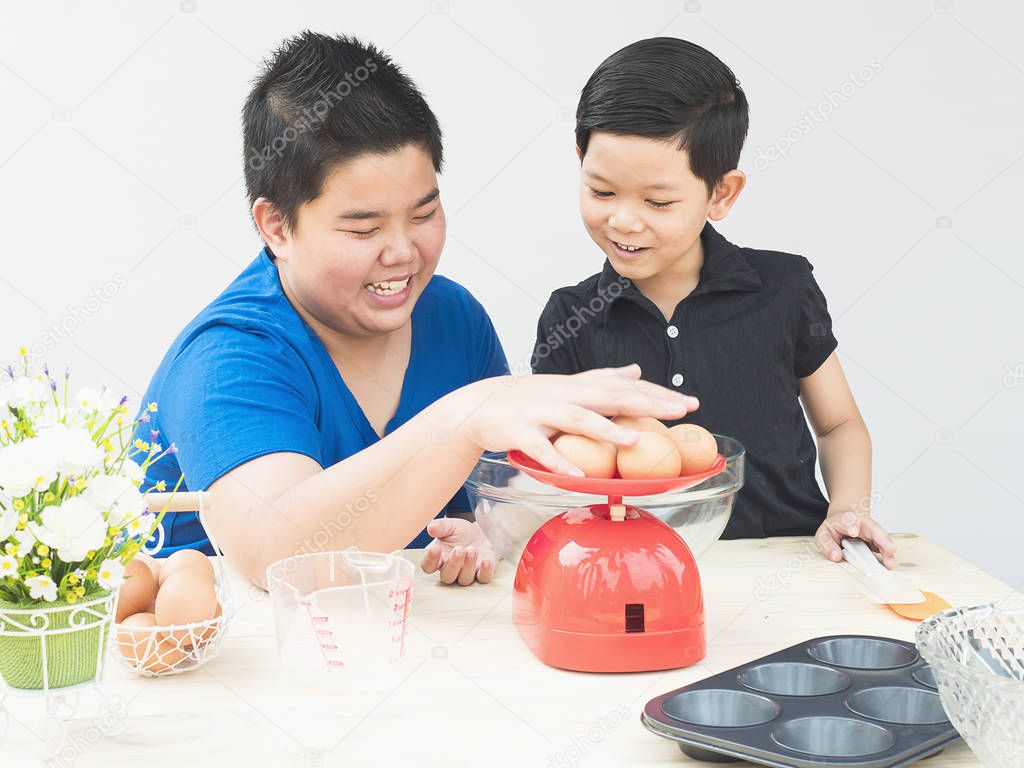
378, 499
845, 455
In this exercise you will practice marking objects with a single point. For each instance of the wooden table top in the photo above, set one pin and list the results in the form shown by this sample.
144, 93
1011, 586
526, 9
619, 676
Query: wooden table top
470, 692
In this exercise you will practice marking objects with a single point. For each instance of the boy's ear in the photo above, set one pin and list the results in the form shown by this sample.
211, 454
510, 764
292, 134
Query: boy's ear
726, 192
270, 223
579, 153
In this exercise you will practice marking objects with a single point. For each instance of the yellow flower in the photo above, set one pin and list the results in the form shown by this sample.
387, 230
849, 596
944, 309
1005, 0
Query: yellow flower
42, 550
90, 554
72, 579
46, 562
80, 591
160, 485
108, 446
151, 408
107, 541
48, 496
20, 505
72, 597
142, 446
22, 351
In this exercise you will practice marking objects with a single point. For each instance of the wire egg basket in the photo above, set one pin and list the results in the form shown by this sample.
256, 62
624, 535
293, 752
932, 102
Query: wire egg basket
160, 651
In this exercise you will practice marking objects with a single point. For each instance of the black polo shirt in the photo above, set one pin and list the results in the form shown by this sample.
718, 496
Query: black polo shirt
741, 341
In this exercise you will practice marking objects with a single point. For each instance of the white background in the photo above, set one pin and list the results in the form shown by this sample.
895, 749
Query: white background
120, 166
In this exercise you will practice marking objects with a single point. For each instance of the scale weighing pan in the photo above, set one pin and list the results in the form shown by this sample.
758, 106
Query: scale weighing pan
612, 486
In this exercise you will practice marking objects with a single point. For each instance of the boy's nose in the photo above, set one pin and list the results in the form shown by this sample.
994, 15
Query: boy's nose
400, 250
623, 220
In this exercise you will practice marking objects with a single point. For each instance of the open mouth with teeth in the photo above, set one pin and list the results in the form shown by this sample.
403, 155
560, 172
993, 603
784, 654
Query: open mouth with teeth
389, 287
628, 250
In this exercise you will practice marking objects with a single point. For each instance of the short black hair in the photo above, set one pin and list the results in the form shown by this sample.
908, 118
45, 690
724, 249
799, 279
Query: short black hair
321, 100
666, 88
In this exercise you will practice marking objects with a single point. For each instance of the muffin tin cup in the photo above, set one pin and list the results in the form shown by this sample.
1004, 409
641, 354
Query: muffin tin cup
850, 700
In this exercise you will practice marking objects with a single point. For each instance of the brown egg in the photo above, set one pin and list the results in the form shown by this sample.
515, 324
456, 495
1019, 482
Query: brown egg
187, 596
144, 647
203, 636
653, 456
190, 559
595, 457
138, 592
641, 424
697, 447
152, 563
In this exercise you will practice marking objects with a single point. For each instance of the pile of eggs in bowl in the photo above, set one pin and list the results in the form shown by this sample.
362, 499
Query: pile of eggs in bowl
659, 452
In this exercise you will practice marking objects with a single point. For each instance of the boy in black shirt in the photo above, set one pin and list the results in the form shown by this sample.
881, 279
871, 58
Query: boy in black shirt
659, 130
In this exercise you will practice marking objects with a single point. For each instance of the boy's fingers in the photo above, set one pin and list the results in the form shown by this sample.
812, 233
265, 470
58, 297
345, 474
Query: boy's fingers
450, 570
431, 559
441, 527
577, 420
828, 540
486, 572
541, 450
883, 542
468, 573
631, 371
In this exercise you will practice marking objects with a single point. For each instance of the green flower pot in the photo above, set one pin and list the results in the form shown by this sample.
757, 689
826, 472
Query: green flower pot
72, 653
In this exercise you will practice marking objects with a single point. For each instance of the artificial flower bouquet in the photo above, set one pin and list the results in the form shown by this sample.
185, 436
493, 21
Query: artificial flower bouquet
71, 516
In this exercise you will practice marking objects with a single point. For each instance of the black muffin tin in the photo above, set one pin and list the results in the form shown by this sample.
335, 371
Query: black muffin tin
849, 700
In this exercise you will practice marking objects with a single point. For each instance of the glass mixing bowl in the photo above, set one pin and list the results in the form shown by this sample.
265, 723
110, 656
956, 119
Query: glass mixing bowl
510, 506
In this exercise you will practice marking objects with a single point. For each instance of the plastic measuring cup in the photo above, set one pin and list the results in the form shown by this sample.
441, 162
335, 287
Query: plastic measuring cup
336, 611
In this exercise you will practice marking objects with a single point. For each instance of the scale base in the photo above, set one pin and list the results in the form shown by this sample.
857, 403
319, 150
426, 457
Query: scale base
632, 652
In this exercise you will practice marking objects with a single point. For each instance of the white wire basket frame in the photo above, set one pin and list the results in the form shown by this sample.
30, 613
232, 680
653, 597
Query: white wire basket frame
161, 651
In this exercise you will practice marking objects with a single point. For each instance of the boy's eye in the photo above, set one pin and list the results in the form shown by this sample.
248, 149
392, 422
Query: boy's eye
599, 193
362, 232
426, 216
660, 203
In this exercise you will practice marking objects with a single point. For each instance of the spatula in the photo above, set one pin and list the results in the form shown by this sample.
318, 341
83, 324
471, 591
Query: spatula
884, 585
893, 589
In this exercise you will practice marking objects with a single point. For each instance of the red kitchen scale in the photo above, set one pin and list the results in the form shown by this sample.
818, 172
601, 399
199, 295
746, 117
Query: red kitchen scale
609, 587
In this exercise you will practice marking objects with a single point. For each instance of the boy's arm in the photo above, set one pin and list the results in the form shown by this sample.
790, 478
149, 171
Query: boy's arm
844, 448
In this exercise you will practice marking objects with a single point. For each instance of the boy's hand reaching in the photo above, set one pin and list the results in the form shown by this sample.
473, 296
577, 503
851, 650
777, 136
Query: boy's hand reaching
460, 551
851, 525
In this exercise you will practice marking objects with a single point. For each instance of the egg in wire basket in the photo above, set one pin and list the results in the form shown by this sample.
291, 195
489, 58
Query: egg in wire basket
153, 649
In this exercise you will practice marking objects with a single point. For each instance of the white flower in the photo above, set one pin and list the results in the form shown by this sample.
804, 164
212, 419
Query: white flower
8, 518
25, 540
72, 529
132, 471
110, 574
41, 587
25, 390
117, 494
26, 467
80, 574
139, 525
8, 566
73, 449
91, 399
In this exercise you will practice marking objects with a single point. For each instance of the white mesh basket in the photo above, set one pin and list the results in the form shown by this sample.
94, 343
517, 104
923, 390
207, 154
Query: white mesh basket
171, 650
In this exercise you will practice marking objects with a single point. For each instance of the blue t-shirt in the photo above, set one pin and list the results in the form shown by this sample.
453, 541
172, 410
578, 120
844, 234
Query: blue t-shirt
248, 377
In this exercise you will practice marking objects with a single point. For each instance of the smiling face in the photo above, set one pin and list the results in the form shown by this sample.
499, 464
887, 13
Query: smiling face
361, 252
643, 206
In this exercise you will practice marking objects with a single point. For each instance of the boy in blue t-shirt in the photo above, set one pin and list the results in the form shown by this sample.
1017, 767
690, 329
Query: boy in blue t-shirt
659, 129
339, 392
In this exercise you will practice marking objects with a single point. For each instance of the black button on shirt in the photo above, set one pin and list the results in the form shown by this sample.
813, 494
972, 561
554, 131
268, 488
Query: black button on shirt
741, 341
